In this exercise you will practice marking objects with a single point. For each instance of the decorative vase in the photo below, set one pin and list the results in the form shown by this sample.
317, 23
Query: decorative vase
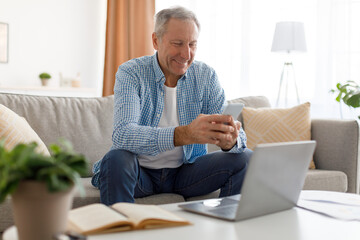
39, 214
44, 81
75, 83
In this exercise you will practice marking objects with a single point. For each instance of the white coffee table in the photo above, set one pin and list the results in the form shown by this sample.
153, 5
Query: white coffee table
294, 224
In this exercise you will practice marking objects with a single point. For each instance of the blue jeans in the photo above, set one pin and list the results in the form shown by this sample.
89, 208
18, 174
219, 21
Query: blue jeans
122, 178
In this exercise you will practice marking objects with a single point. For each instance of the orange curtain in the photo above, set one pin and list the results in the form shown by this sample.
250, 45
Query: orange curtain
129, 26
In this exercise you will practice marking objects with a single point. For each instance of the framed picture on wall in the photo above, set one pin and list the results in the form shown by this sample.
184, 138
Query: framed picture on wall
4, 42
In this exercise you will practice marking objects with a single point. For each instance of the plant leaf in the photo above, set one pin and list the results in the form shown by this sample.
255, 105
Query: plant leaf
59, 171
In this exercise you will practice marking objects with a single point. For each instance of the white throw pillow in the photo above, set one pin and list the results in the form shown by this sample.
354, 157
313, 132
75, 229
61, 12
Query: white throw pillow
15, 129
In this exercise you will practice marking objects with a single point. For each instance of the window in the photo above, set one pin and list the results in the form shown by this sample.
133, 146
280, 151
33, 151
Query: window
236, 38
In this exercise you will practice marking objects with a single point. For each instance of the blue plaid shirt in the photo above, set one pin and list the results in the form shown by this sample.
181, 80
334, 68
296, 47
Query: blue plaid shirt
139, 102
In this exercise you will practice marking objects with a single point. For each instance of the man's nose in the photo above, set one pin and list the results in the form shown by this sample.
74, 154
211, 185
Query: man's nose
186, 52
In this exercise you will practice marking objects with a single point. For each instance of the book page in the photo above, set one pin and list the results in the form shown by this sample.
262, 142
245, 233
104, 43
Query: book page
331, 197
96, 217
332, 204
149, 216
334, 210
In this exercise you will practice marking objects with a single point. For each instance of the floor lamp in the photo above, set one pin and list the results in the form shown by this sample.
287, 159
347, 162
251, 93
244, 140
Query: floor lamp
288, 37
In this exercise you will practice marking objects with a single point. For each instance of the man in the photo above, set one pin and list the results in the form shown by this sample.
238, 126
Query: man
166, 111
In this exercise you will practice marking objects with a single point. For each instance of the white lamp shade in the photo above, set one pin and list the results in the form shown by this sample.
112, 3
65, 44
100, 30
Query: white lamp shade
289, 37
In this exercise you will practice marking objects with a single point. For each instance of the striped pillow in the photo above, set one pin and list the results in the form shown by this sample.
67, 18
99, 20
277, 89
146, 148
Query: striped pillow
269, 125
15, 129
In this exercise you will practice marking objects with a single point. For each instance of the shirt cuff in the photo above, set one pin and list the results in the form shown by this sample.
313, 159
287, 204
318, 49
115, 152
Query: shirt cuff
240, 144
166, 139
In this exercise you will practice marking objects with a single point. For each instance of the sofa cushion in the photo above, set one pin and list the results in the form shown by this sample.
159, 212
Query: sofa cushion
85, 122
337, 148
93, 196
162, 198
253, 102
15, 129
214, 194
326, 180
269, 125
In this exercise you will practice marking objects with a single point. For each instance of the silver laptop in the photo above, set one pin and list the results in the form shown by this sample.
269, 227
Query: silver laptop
273, 182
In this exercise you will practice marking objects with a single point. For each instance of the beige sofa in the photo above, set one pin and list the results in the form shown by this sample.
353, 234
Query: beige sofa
87, 123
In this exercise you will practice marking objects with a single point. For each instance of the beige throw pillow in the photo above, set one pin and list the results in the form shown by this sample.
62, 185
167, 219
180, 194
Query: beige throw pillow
15, 129
269, 125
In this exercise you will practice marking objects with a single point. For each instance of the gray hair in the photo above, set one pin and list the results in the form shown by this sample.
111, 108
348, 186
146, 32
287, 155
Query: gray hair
163, 17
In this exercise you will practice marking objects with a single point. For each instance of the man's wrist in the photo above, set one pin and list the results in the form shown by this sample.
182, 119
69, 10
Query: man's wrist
181, 136
227, 150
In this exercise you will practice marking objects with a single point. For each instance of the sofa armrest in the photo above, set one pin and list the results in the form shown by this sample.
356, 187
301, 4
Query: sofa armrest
338, 148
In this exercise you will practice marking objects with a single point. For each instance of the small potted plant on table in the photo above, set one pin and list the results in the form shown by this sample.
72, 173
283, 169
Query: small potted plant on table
41, 187
44, 77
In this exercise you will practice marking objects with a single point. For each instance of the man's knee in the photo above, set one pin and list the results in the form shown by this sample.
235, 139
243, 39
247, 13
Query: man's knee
246, 155
118, 160
242, 159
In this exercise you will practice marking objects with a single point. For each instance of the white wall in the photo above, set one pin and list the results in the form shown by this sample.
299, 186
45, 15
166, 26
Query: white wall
54, 36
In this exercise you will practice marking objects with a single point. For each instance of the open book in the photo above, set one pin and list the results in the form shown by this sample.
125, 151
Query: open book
98, 218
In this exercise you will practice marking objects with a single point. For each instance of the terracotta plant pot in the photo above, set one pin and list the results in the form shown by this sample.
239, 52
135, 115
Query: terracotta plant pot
44, 81
39, 214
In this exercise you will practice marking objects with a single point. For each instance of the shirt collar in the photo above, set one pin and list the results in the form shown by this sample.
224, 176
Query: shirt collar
159, 73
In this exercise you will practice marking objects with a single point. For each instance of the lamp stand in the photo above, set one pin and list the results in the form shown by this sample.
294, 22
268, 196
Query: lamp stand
285, 81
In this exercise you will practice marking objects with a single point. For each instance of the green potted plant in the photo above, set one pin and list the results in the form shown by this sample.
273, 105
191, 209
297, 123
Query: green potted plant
44, 77
348, 93
41, 187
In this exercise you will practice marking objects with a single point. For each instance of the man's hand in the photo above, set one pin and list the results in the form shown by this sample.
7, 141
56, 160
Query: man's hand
209, 129
227, 145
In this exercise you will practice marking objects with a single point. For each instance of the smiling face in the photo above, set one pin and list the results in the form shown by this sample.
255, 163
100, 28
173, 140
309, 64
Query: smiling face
176, 48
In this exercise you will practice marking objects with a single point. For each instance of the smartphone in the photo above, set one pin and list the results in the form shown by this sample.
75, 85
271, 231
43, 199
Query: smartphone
233, 109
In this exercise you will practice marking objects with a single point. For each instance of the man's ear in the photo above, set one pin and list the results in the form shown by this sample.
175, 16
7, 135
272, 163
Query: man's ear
155, 41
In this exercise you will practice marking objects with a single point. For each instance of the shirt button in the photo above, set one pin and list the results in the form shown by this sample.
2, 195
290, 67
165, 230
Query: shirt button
158, 115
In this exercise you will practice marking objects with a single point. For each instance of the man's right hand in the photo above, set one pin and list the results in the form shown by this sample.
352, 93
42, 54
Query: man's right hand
206, 129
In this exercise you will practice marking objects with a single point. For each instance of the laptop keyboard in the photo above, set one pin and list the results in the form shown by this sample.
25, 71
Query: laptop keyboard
227, 210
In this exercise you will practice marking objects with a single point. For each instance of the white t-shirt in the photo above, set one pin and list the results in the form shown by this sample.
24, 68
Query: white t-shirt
169, 118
